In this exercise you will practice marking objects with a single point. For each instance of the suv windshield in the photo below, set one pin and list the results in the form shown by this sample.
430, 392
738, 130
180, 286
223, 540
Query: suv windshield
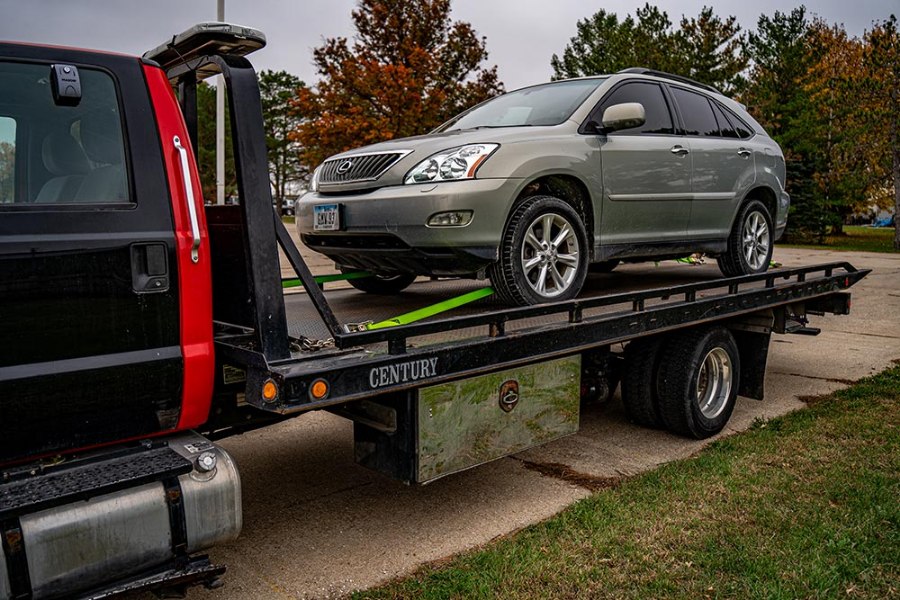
548, 104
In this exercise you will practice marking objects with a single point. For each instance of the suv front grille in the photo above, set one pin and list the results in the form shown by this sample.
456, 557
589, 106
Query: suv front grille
362, 167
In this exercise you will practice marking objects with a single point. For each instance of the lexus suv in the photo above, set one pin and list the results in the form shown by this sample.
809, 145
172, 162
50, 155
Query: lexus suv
536, 187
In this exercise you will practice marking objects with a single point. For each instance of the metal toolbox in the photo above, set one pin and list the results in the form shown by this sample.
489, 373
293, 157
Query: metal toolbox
446, 428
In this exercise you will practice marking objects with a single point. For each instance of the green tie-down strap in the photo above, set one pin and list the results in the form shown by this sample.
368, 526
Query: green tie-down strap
320, 279
434, 309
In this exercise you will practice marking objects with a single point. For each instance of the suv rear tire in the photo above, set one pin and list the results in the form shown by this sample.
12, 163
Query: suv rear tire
751, 242
383, 285
543, 255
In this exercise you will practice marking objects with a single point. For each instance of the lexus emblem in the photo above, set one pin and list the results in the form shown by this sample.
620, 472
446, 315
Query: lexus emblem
509, 395
344, 167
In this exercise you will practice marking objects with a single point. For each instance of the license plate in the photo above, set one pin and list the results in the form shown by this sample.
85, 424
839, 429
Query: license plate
326, 217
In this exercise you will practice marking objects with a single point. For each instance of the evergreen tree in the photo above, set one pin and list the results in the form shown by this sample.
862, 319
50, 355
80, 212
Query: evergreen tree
705, 48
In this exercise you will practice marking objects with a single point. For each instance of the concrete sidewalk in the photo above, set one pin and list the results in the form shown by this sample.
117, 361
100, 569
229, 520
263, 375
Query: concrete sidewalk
316, 525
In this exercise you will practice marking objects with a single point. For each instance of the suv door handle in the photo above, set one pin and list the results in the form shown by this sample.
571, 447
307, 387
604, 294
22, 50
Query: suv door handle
679, 150
744, 152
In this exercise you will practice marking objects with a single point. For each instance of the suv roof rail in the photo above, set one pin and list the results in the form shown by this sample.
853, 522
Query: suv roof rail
673, 77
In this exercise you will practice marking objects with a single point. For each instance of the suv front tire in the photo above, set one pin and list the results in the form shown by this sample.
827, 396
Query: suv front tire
543, 255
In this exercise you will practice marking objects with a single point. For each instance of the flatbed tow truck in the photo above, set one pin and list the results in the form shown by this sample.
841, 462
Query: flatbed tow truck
140, 326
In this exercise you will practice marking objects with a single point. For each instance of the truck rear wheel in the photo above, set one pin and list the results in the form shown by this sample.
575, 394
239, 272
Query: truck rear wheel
698, 381
640, 394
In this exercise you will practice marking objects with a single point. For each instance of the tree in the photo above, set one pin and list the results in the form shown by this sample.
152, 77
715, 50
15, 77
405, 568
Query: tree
408, 70
206, 142
881, 86
777, 97
7, 171
705, 48
277, 89
825, 97
712, 50
780, 62
602, 44
836, 135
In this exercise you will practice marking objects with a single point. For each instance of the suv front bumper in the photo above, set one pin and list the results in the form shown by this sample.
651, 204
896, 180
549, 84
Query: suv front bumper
385, 229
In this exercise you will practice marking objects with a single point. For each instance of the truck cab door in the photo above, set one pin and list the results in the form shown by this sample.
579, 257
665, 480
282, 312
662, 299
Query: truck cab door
91, 278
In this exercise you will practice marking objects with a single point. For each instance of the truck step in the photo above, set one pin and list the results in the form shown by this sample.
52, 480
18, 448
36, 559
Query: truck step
83, 480
171, 582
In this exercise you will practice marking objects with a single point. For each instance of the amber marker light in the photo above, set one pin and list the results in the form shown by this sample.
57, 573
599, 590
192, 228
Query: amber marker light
269, 391
319, 389
475, 166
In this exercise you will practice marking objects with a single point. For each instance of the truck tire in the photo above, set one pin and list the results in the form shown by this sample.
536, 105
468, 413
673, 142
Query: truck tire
640, 393
383, 285
543, 255
699, 373
751, 242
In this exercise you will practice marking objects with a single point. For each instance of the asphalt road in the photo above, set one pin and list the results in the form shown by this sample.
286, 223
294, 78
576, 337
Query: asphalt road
317, 525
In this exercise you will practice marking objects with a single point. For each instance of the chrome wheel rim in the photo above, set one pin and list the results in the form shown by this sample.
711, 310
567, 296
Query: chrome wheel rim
550, 255
756, 240
714, 382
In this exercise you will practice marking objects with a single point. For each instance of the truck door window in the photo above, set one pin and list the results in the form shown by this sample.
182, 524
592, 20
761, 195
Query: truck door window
7, 160
74, 154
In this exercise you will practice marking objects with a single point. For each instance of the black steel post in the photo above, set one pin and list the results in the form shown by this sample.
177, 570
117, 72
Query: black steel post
252, 166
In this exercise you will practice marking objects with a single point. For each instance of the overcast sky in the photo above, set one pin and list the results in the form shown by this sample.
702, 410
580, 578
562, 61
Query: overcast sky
522, 35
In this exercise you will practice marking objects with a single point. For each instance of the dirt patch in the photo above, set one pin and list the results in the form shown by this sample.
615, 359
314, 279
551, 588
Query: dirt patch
566, 473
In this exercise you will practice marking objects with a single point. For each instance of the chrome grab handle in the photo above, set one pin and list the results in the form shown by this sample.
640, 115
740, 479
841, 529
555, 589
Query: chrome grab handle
189, 191
744, 152
679, 150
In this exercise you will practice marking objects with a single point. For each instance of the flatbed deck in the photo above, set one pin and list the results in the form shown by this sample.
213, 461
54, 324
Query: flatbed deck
353, 306
486, 336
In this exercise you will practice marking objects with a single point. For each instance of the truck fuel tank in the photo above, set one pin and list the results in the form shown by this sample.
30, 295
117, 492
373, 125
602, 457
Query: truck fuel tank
122, 512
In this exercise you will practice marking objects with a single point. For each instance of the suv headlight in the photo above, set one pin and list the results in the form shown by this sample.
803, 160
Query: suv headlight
314, 180
451, 165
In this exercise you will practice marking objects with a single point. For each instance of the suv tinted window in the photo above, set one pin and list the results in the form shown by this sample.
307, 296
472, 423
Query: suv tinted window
725, 125
650, 95
696, 113
743, 130
71, 154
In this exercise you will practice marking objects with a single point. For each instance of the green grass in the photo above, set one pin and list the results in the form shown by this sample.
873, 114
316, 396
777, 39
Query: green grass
803, 506
287, 220
859, 239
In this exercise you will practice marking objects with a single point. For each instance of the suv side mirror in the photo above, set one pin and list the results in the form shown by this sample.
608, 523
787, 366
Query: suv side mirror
623, 116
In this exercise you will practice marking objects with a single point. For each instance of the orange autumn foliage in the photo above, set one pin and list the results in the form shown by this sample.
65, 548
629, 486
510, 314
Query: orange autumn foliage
408, 70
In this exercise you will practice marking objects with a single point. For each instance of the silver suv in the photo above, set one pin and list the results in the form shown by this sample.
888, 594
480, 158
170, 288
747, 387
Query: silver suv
535, 187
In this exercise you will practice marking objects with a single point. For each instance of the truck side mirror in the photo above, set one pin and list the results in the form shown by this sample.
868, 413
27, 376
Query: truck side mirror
65, 85
623, 116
